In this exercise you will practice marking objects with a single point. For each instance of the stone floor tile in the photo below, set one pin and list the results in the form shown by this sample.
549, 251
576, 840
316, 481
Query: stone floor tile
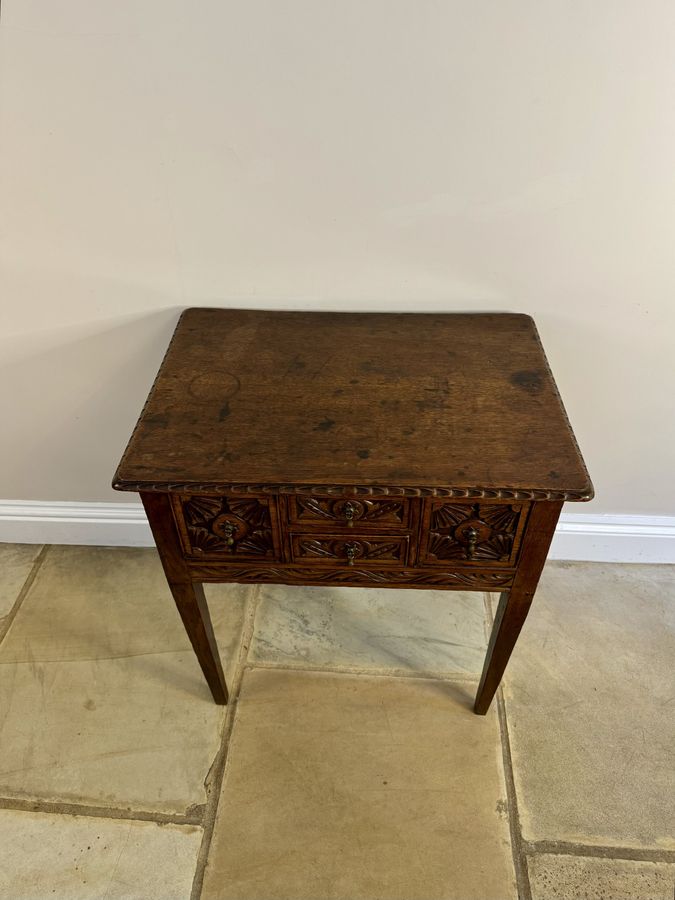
345, 787
397, 631
82, 858
101, 697
590, 699
104, 602
554, 877
16, 562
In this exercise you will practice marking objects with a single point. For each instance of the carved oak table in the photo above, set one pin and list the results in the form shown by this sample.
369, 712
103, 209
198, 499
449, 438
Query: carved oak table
400, 450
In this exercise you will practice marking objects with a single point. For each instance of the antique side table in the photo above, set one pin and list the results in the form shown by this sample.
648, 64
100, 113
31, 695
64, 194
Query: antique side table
400, 450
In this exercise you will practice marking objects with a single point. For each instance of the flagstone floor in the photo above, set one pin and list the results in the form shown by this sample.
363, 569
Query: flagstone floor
348, 765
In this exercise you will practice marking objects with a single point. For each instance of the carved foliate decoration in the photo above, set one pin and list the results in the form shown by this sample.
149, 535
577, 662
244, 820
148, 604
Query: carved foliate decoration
350, 551
488, 581
228, 524
348, 510
481, 532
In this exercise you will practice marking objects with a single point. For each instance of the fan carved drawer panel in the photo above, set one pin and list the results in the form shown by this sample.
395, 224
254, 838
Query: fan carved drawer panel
342, 550
228, 528
347, 512
483, 534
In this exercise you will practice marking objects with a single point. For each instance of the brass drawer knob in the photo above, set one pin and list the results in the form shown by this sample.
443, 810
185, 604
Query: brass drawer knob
350, 511
350, 550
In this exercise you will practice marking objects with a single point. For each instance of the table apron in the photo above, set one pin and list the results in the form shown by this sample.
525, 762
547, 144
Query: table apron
457, 579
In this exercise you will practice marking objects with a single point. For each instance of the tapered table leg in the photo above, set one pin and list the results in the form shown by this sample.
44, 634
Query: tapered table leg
188, 596
514, 604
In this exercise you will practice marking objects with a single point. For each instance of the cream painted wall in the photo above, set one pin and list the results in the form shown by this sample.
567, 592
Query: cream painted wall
506, 155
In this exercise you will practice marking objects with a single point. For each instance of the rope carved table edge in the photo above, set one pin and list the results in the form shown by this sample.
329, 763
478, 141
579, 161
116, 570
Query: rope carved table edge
365, 490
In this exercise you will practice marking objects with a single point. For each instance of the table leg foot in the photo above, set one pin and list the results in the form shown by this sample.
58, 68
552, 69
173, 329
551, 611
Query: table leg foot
188, 595
515, 603
511, 614
194, 612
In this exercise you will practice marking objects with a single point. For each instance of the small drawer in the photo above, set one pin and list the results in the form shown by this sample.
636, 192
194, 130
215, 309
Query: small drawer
227, 528
340, 550
483, 534
348, 512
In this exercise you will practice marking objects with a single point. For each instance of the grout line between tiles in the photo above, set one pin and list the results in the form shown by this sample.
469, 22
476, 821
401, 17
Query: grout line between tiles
216, 774
517, 843
523, 848
11, 615
470, 677
98, 812
570, 848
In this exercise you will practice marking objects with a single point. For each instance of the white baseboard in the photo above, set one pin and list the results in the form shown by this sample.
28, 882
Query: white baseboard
58, 522
613, 538
579, 536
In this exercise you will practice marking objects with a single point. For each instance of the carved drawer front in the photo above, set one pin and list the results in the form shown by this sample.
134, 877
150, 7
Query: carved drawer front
341, 550
348, 512
229, 528
479, 533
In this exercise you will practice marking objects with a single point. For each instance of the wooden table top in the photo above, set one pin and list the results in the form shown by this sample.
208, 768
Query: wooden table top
459, 404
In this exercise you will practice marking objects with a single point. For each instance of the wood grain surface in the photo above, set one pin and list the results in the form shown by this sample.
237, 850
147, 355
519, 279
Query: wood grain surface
419, 403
